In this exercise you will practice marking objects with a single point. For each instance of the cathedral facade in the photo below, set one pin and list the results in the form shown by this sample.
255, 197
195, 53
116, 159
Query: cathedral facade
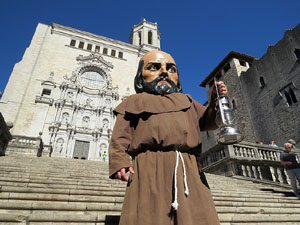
67, 84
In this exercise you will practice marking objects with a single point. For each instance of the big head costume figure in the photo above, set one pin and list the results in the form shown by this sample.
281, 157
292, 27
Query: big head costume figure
157, 74
156, 137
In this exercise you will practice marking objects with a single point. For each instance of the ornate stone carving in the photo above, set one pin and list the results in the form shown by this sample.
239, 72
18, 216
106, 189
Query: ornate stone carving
43, 99
94, 58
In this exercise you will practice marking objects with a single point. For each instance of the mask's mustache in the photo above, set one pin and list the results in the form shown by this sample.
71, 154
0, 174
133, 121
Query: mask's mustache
163, 77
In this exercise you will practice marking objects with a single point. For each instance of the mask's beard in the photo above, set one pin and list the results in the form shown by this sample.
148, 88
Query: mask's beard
162, 89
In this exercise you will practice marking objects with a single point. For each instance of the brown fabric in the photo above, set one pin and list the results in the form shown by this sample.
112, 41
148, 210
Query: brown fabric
150, 128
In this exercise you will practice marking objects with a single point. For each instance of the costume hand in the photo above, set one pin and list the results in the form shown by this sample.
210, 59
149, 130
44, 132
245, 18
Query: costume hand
222, 88
121, 174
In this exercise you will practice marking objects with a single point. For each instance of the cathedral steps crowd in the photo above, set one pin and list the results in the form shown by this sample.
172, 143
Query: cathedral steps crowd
60, 191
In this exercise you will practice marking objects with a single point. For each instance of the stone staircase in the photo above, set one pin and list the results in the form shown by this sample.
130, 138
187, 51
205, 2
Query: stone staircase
44, 191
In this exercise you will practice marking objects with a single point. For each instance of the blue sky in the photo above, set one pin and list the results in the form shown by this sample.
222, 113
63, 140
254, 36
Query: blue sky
198, 34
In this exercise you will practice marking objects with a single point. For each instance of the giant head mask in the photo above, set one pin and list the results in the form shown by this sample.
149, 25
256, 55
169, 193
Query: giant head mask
157, 74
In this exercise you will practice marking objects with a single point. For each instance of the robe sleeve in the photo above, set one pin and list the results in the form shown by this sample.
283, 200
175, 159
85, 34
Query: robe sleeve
120, 141
207, 115
208, 119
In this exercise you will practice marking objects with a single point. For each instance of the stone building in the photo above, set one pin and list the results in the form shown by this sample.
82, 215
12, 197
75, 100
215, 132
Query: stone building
65, 87
229, 70
264, 93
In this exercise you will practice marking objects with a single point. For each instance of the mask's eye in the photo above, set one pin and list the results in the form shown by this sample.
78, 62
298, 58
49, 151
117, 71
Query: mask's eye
171, 68
153, 66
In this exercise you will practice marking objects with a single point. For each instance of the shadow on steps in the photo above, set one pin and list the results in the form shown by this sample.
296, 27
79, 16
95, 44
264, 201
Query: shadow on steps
285, 193
112, 219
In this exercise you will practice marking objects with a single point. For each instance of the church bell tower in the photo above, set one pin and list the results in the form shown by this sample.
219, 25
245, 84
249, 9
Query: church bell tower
146, 35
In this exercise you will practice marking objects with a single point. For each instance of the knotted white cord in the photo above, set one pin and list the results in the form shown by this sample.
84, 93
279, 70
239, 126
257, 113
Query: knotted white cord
186, 188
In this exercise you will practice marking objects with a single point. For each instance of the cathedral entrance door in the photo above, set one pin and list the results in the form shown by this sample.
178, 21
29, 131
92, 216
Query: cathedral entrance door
81, 150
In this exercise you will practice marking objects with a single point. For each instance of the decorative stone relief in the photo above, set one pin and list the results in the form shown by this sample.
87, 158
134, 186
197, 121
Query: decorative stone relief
105, 123
85, 108
85, 121
65, 117
59, 145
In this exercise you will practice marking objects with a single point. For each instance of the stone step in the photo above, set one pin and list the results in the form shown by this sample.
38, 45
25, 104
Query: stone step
50, 217
38, 206
106, 192
20, 192
28, 197
258, 218
112, 191
81, 208
75, 181
102, 187
94, 218
260, 223
59, 181
54, 173
256, 204
59, 197
257, 200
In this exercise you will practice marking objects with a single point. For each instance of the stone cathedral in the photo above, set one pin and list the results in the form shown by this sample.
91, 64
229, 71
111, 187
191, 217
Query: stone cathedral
67, 84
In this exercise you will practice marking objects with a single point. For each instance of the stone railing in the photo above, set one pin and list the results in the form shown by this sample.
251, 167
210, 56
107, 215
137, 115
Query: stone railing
25, 145
256, 161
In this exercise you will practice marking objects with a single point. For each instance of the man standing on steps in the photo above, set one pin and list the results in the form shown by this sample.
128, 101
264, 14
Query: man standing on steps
288, 159
159, 128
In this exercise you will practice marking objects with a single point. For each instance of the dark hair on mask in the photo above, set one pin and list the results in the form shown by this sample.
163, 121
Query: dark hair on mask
138, 80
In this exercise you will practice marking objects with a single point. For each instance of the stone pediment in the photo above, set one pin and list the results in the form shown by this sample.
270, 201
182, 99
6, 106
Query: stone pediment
94, 58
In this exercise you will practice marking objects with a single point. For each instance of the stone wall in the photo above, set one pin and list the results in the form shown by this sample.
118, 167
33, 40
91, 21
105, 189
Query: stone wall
266, 86
229, 71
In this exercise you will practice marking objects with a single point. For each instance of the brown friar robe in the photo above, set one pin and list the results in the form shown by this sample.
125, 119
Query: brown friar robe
151, 130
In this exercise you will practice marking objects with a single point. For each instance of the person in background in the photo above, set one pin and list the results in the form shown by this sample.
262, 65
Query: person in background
273, 144
288, 159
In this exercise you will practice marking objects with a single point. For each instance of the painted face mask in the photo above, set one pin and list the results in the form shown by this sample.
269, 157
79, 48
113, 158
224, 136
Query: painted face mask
157, 74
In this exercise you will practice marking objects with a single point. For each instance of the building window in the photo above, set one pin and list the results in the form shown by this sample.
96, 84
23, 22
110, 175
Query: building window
73, 42
105, 51
113, 52
81, 44
233, 104
140, 37
226, 67
218, 76
92, 78
262, 83
288, 94
242, 63
121, 55
97, 48
297, 53
150, 37
46, 92
89, 47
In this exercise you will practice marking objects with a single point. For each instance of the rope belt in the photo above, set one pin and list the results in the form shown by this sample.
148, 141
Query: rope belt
186, 188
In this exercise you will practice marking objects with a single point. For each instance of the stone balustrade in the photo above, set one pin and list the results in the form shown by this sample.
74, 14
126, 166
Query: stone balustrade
25, 145
258, 161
